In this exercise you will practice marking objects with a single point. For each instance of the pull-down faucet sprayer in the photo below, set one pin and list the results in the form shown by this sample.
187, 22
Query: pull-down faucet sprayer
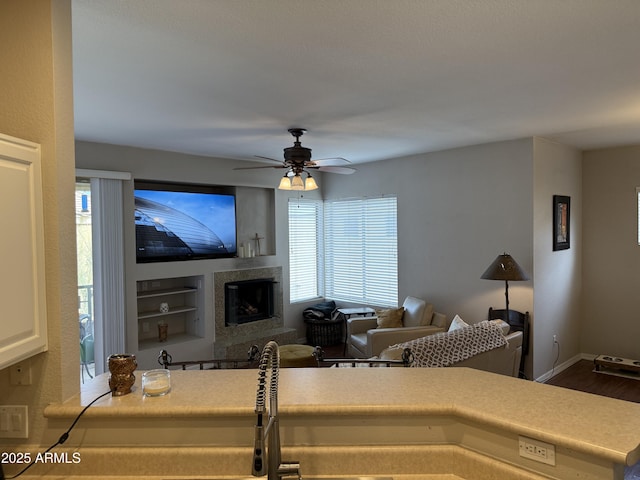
271, 465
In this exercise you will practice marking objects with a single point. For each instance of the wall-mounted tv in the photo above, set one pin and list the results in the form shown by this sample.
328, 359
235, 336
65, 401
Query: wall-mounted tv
180, 221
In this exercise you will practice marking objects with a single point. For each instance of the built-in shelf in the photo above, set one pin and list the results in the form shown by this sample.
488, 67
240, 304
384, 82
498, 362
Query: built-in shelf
172, 311
165, 292
174, 302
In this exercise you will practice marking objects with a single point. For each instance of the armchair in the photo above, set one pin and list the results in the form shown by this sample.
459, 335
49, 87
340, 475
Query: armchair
365, 339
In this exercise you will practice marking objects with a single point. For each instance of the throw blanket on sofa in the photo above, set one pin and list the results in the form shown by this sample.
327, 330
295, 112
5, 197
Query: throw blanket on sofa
448, 348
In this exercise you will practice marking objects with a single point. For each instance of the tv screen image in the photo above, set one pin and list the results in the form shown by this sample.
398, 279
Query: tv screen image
183, 222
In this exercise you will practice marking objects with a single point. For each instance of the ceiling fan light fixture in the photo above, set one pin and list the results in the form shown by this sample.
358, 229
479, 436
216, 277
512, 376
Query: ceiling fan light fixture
297, 183
285, 183
296, 161
310, 183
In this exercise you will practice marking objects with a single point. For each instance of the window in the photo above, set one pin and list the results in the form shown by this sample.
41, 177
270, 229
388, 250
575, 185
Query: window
84, 254
99, 208
361, 250
305, 221
359, 261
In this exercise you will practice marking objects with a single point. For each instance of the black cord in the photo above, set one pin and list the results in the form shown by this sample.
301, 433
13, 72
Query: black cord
555, 362
63, 438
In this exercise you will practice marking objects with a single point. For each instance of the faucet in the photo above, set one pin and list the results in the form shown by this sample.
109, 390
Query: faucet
273, 466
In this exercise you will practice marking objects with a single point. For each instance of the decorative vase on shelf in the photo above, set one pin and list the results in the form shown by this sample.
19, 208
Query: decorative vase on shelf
122, 366
163, 332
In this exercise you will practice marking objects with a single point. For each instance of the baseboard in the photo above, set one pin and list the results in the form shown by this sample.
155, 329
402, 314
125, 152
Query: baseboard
563, 366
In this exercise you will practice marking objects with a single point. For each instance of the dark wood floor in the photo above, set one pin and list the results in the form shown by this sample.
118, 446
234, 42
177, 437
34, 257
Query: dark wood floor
581, 376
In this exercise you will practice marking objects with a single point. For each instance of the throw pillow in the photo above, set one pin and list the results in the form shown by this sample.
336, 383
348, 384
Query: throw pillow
457, 323
391, 353
428, 315
390, 318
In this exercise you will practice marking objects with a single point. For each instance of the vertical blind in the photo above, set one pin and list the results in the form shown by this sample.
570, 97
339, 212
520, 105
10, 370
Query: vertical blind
108, 268
361, 250
305, 220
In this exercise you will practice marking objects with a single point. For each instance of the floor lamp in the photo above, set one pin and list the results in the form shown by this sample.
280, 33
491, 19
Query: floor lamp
504, 267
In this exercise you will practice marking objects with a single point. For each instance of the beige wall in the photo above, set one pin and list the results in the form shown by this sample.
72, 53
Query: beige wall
610, 322
36, 86
557, 275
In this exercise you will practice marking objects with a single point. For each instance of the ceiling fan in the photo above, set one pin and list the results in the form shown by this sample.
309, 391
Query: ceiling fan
297, 160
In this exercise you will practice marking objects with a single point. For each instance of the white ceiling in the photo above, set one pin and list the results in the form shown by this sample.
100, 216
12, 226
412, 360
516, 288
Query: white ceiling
369, 79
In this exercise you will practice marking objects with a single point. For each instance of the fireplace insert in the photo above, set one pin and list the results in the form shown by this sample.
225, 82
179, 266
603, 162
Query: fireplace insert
248, 301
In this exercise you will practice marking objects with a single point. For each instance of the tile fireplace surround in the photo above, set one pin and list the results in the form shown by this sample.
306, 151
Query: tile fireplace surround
233, 342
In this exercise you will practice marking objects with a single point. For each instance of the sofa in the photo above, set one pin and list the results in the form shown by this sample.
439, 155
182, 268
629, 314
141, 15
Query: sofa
365, 339
504, 360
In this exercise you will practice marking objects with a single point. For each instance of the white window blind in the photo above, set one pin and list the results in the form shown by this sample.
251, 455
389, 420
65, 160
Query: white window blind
305, 222
361, 250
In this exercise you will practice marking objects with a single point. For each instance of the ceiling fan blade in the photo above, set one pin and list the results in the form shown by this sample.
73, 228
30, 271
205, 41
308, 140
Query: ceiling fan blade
342, 170
265, 166
268, 158
326, 162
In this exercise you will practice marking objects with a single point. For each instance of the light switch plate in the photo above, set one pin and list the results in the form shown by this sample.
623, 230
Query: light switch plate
14, 421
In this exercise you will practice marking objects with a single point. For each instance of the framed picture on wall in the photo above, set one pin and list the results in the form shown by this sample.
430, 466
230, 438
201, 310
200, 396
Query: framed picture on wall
561, 216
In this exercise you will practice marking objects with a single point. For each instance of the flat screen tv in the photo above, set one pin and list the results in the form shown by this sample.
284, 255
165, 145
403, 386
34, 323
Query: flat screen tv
179, 221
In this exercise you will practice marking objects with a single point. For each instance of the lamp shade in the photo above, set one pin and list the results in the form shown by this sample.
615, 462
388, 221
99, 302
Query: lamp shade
285, 183
310, 183
297, 183
504, 267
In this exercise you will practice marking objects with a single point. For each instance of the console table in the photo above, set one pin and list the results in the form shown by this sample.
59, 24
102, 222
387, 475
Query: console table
359, 311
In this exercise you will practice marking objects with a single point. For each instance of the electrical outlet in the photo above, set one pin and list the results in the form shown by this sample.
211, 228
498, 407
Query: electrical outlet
14, 421
555, 339
537, 450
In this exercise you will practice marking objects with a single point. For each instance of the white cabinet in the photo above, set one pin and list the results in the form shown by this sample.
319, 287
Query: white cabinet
23, 321
174, 302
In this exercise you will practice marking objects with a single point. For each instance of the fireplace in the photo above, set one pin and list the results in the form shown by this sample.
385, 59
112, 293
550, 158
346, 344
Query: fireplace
232, 340
248, 301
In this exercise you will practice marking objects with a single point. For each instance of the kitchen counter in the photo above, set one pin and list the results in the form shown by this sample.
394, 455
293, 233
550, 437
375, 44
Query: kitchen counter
353, 422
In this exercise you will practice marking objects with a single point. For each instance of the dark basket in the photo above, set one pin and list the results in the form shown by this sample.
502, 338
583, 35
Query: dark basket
324, 333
